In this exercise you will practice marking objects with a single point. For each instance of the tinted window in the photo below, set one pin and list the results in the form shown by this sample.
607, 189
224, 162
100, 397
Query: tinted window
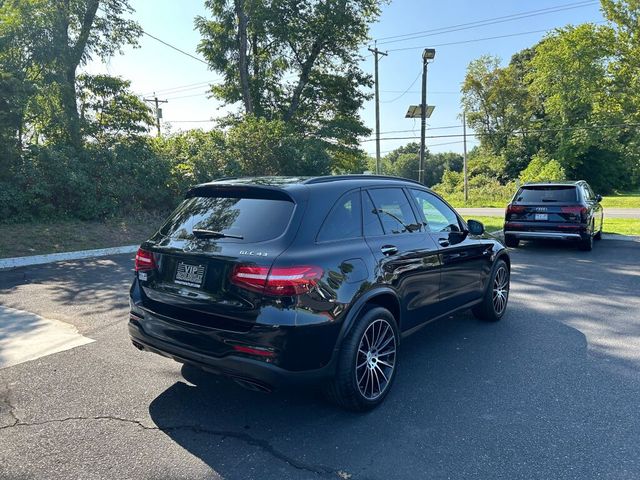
553, 193
393, 209
436, 214
372, 225
344, 221
255, 219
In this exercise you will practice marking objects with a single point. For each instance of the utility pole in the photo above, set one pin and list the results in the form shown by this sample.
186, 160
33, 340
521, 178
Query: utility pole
158, 110
377, 52
427, 54
464, 159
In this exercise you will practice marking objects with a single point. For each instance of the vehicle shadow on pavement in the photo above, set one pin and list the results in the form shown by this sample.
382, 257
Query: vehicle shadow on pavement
521, 398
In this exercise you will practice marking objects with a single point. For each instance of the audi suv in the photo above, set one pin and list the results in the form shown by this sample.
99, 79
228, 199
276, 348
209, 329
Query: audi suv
559, 210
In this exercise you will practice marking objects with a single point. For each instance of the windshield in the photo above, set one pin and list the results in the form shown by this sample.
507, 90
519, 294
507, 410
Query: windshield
547, 193
251, 219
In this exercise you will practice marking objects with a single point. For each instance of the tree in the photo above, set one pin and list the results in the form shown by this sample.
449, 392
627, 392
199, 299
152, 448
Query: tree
543, 169
295, 62
109, 109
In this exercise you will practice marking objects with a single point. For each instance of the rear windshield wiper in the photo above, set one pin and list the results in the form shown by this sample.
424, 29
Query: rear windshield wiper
202, 232
549, 200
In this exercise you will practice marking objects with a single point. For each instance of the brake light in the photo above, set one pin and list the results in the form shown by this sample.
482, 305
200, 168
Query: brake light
284, 281
514, 209
575, 210
144, 261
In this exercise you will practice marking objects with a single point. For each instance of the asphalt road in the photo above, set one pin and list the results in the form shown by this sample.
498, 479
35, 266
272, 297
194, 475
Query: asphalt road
550, 392
499, 212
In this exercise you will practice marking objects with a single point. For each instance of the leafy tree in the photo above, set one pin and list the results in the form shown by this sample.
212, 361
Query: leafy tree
108, 108
293, 62
542, 169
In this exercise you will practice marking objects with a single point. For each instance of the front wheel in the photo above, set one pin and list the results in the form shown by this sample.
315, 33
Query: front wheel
366, 363
494, 302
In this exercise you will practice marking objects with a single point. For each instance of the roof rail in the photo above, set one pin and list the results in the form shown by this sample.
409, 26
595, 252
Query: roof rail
336, 178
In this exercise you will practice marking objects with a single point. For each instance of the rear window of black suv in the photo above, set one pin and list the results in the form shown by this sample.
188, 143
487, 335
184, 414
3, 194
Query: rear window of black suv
253, 219
547, 193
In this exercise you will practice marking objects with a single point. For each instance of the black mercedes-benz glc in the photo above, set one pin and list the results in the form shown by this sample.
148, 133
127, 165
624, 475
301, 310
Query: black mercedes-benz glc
273, 280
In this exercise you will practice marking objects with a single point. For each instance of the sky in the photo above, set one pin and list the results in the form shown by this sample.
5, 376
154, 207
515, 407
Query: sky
182, 80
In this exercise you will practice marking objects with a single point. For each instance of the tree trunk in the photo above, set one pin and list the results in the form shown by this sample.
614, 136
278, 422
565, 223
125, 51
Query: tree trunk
243, 59
304, 79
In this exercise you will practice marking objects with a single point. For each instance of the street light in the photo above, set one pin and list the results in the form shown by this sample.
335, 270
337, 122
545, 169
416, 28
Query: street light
427, 54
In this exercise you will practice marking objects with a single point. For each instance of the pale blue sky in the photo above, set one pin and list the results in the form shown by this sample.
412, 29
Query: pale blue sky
155, 67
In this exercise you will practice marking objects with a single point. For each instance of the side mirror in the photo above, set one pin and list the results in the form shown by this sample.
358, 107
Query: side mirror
475, 227
598, 198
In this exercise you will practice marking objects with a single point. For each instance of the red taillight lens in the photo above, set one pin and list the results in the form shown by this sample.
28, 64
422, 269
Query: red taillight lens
575, 210
284, 281
144, 260
258, 351
515, 208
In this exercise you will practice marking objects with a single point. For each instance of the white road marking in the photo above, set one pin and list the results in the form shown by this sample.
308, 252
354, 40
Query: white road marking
25, 336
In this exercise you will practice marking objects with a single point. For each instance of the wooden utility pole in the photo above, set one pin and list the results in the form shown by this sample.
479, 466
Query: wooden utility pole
157, 111
464, 165
377, 52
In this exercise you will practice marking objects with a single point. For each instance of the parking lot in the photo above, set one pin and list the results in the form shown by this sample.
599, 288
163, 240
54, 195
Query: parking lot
552, 391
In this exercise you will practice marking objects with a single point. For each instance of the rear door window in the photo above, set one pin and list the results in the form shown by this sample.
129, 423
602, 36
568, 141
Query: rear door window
547, 194
371, 221
394, 210
344, 221
254, 219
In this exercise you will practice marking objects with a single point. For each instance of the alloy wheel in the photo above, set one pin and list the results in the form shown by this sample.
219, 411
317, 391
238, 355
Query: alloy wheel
500, 290
376, 359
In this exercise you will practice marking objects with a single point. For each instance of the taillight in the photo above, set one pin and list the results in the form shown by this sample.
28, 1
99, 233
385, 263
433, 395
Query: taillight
144, 260
514, 209
257, 351
575, 210
284, 281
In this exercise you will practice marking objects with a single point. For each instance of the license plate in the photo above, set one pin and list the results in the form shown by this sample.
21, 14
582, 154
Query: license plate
190, 274
542, 216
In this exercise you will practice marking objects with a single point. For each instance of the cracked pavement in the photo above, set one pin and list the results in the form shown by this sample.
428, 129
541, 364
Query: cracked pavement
550, 392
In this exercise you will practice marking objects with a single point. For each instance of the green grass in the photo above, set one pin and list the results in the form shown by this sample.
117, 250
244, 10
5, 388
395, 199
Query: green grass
35, 238
620, 226
622, 200
617, 200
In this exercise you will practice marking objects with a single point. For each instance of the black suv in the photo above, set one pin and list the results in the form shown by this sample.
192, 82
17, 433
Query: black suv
561, 210
273, 280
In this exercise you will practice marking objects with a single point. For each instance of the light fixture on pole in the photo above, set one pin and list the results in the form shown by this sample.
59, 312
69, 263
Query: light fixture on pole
427, 54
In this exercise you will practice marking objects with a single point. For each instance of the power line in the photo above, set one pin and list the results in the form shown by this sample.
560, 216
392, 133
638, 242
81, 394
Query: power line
175, 48
406, 91
516, 132
485, 22
461, 42
190, 121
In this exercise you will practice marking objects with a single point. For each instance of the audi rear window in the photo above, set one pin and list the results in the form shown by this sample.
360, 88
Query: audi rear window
244, 220
547, 194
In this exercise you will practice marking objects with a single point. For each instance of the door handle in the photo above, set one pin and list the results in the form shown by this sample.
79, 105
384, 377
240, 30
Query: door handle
443, 242
389, 249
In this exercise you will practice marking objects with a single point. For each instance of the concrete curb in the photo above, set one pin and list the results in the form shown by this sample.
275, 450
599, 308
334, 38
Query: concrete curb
58, 257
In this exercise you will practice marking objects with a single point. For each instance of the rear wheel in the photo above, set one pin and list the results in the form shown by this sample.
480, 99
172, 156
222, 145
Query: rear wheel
494, 302
511, 241
366, 363
598, 235
586, 244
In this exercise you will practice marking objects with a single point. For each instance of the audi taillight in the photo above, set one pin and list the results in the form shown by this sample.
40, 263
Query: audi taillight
576, 210
144, 261
514, 209
285, 281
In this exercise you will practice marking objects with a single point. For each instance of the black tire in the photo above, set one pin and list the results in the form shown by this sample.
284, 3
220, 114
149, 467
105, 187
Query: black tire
492, 309
598, 236
511, 241
345, 389
586, 244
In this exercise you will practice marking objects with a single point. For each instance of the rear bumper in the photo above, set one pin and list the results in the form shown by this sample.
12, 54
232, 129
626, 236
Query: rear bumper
259, 372
534, 235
